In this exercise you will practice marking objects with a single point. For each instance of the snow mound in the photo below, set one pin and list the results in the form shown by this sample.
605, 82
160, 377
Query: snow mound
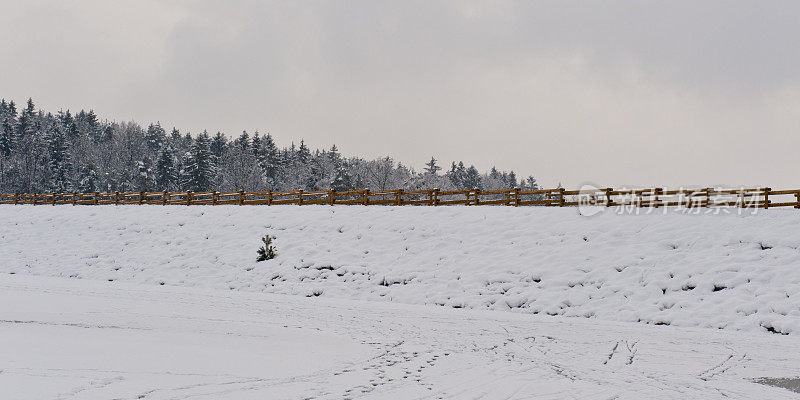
723, 271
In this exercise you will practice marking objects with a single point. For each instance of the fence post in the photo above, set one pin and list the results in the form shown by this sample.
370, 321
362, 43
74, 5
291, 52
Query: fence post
141, 198
300, 197
398, 197
656, 192
96, 198
740, 198
54, 199
16, 198
34, 198
164, 198
561, 197
516, 197
241, 197
330, 196
116, 198
188, 197
435, 193
214, 198
73, 198
269, 197
477, 191
366, 197
766, 197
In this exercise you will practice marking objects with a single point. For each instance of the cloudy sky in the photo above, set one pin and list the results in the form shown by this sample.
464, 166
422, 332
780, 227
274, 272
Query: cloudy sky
613, 93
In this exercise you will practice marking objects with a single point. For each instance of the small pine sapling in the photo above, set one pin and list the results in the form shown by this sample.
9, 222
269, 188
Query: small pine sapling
266, 252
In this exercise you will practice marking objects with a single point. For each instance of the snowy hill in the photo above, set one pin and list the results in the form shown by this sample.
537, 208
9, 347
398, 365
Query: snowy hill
724, 271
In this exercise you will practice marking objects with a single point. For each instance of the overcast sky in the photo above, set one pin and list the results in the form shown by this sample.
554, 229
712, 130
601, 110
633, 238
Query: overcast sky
612, 93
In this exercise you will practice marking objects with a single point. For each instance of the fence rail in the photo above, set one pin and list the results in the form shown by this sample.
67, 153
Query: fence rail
607, 197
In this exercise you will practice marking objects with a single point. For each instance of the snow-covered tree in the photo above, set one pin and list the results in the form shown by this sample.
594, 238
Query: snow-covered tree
166, 174
145, 179
198, 166
303, 153
87, 179
41, 152
472, 179
270, 162
155, 136
334, 155
26, 127
6, 137
531, 184
218, 145
342, 182
59, 163
431, 167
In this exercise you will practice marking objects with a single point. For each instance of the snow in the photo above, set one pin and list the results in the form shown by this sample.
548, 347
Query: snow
70, 338
731, 271
150, 302
84, 339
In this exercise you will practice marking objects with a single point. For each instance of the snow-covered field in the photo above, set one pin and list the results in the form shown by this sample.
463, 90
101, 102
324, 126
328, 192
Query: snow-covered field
81, 339
719, 271
170, 303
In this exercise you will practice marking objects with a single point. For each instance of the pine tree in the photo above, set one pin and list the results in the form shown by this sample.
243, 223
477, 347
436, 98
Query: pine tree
26, 124
531, 183
175, 136
72, 130
218, 145
267, 251
359, 182
472, 178
198, 170
342, 182
60, 163
270, 161
431, 167
256, 145
155, 136
145, 178
303, 154
165, 173
243, 141
512, 179
458, 176
313, 175
452, 175
187, 140
88, 125
334, 155
6, 137
107, 134
68, 124
87, 179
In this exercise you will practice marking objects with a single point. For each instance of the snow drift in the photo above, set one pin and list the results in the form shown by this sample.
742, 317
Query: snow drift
723, 271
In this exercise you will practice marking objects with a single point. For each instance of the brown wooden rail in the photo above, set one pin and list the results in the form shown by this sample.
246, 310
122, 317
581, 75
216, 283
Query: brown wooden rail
607, 197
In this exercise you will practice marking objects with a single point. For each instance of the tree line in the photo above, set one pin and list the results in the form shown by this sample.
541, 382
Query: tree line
77, 152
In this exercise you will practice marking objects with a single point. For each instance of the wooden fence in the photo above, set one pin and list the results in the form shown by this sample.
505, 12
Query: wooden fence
607, 197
